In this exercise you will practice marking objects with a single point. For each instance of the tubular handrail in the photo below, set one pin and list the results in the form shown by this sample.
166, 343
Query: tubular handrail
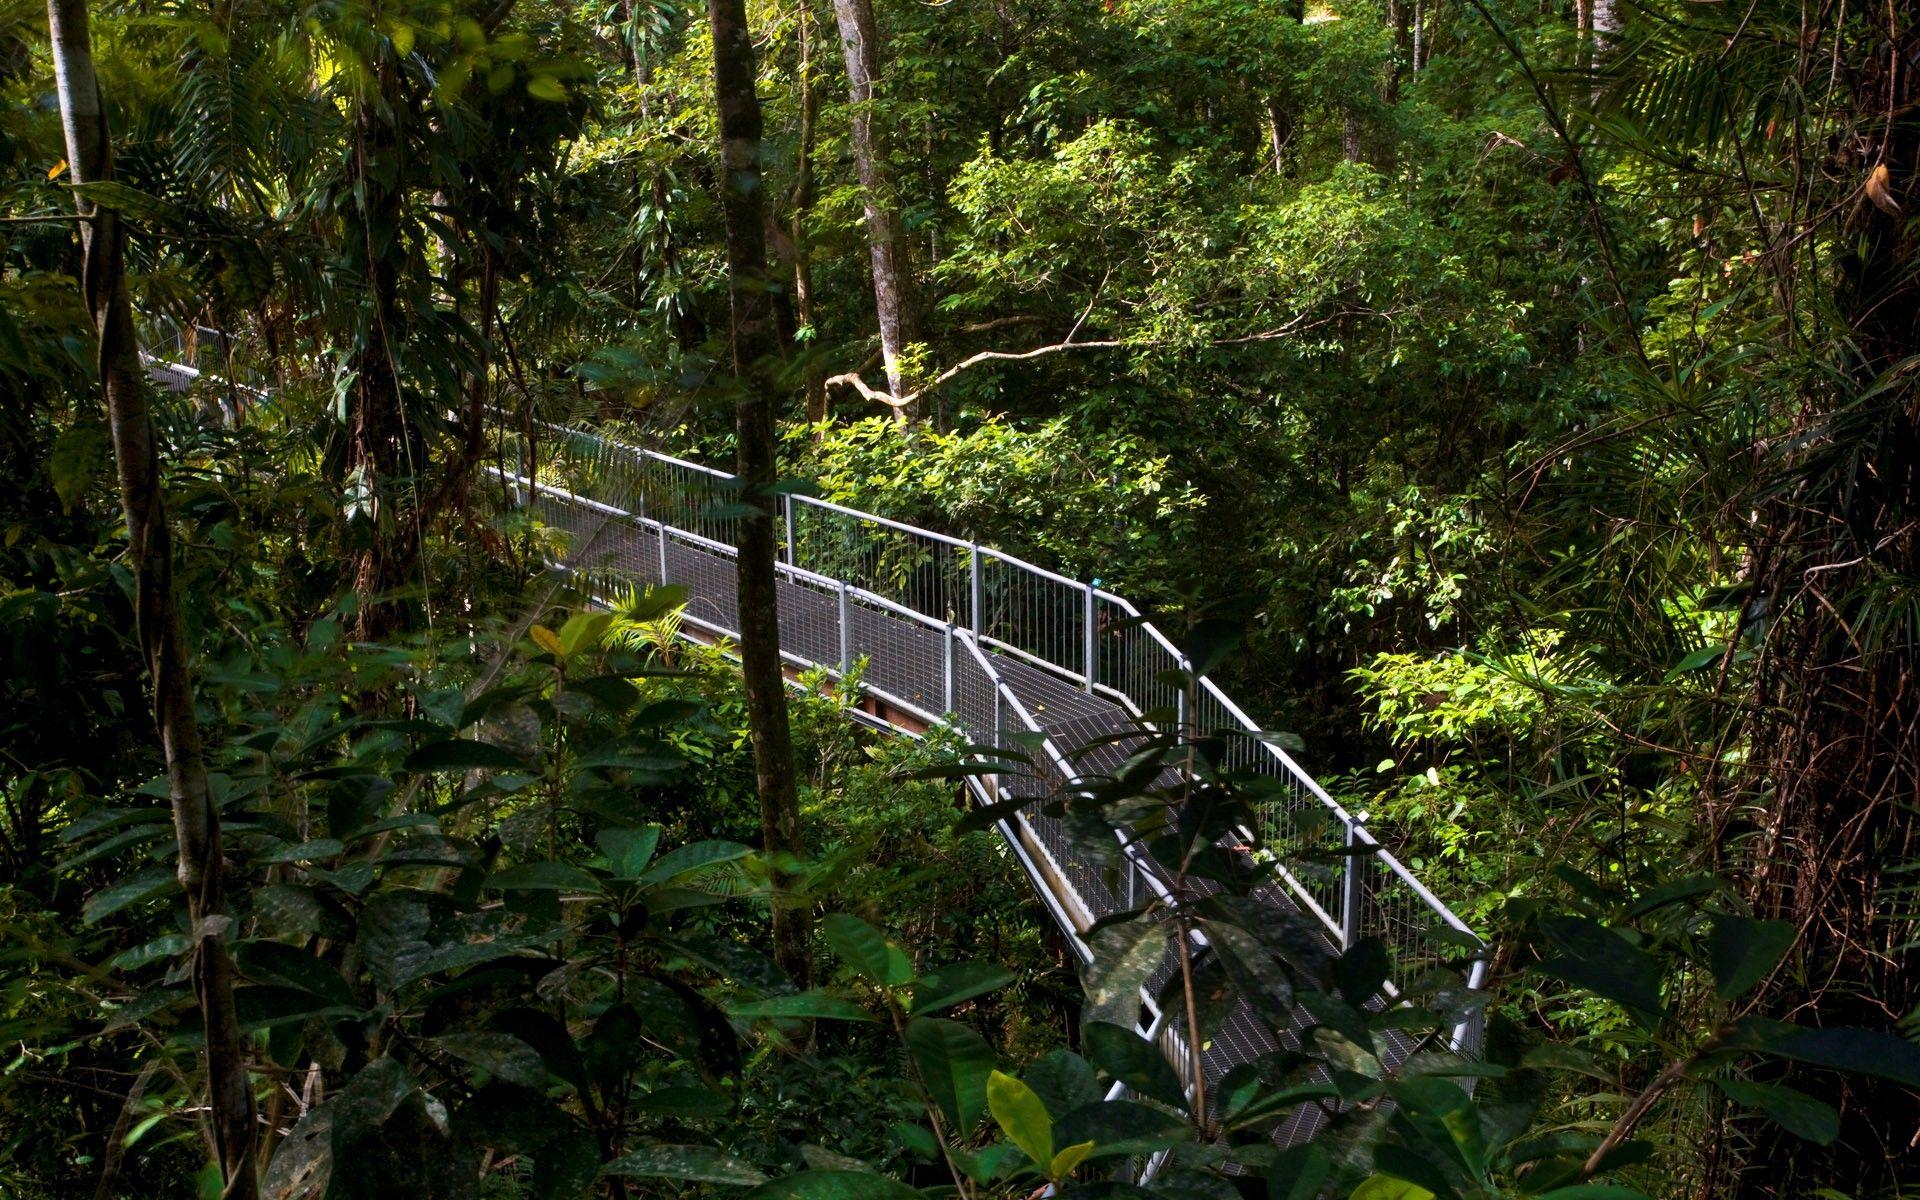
1087, 672
1060, 626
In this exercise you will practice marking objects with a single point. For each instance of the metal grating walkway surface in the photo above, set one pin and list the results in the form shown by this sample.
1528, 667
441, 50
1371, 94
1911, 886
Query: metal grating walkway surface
952, 632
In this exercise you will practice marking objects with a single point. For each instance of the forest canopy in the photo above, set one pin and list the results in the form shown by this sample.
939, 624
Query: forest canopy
1511, 407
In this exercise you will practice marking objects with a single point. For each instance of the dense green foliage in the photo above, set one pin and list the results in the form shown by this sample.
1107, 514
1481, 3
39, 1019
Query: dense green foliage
1530, 389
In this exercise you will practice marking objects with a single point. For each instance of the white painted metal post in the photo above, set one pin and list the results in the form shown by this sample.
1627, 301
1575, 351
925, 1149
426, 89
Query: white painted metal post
946, 690
786, 506
663, 553
973, 576
1092, 644
1352, 889
846, 644
1180, 702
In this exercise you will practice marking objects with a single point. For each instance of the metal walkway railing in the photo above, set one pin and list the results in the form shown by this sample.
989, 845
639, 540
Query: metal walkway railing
956, 633
1009, 652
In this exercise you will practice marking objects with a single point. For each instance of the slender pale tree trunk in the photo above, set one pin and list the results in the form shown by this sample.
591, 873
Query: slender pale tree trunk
893, 298
756, 358
814, 370
196, 821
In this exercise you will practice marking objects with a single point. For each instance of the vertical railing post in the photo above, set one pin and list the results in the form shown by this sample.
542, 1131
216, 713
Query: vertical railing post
662, 530
946, 688
1180, 704
1092, 643
973, 587
1353, 888
786, 509
846, 641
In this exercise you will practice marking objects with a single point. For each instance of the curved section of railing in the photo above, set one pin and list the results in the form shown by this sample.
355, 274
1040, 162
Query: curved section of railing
1336, 870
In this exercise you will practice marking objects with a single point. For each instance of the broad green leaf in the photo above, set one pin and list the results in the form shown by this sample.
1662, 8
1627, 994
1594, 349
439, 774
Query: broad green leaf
461, 754
811, 1005
1742, 952
628, 850
499, 1054
1066, 1160
543, 877
954, 1063
1589, 955
866, 950
1702, 657
1122, 1128
693, 857
949, 985
833, 1185
1125, 956
1134, 1061
137, 888
1796, 1112
583, 629
1385, 1187
287, 966
1022, 1117
1861, 1051
695, 1164
1593, 1191
1063, 1080
1299, 1172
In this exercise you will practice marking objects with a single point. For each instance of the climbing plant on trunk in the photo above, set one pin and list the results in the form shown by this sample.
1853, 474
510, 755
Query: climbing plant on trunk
196, 820
756, 365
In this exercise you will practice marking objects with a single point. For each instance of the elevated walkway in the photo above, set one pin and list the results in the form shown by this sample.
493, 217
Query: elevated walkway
952, 632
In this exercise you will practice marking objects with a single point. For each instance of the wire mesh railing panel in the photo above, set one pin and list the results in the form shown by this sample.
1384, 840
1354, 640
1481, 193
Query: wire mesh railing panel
1035, 614
1132, 661
926, 573
855, 586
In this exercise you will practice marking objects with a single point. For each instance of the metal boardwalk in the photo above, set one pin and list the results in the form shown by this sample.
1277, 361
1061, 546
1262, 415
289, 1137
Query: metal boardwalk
951, 632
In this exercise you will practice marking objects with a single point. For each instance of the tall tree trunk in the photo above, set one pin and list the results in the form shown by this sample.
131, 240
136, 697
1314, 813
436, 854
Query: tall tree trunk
196, 821
385, 452
756, 356
893, 298
814, 370
1837, 738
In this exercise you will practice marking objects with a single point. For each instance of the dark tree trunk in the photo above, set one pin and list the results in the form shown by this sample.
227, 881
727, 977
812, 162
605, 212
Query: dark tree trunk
196, 821
1839, 743
385, 452
893, 298
756, 358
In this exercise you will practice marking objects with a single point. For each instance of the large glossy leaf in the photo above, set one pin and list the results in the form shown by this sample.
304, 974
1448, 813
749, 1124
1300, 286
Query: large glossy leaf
1589, 955
1862, 1051
954, 1063
1743, 951
499, 1054
695, 1164
949, 985
693, 857
137, 888
1125, 956
543, 877
802, 1006
833, 1185
1021, 1115
628, 850
866, 950
1134, 1061
1063, 1081
1794, 1111
278, 963
462, 754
